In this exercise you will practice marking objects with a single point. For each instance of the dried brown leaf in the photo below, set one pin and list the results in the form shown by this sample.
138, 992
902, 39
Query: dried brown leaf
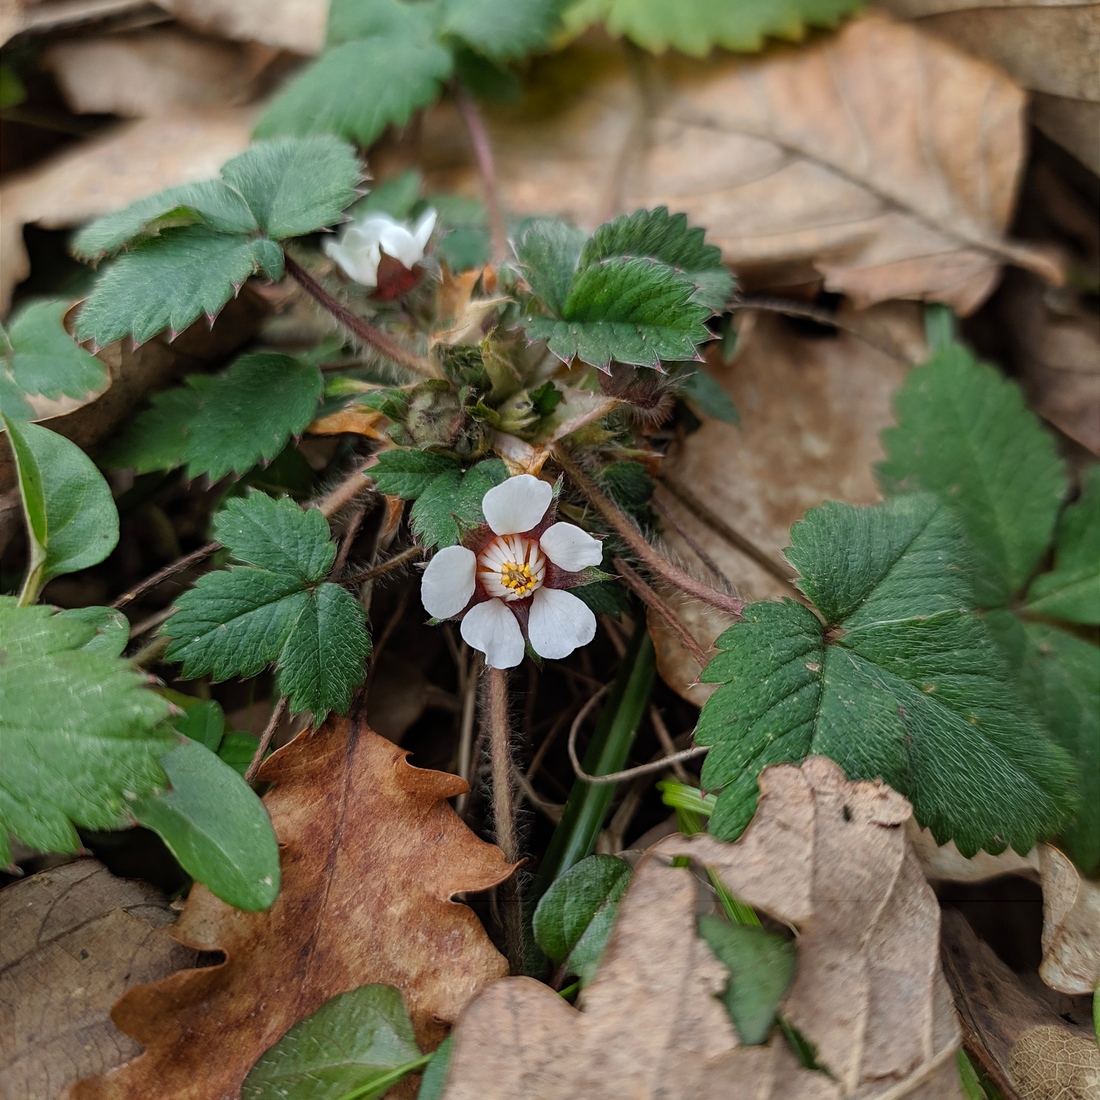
880, 158
297, 25
372, 855
1047, 1062
1071, 925
827, 856
74, 938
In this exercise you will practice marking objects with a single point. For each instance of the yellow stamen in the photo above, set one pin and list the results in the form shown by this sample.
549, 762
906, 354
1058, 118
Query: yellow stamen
518, 577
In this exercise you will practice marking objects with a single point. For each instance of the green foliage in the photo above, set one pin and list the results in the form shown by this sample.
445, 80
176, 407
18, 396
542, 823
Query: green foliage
223, 423
216, 826
695, 27
112, 628
70, 514
434, 1077
80, 731
903, 684
706, 396
965, 433
636, 292
1072, 590
761, 966
203, 722
37, 356
359, 1043
502, 29
574, 917
1059, 675
274, 608
407, 473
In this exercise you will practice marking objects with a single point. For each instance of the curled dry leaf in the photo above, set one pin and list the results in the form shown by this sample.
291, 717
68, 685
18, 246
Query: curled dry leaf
74, 938
827, 856
372, 855
880, 158
109, 172
297, 25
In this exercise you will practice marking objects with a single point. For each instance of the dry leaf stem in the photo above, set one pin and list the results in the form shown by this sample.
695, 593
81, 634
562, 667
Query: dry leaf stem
653, 601
630, 534
376, 338
170, 570
486, 166
265, 739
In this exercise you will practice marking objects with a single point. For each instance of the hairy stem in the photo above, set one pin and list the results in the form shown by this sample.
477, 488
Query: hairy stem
376, 338
384, 567
164, 574
621, 524
483, 150
653, 601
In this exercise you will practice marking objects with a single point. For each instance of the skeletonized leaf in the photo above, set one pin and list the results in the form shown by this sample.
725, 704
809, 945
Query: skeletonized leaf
79, 728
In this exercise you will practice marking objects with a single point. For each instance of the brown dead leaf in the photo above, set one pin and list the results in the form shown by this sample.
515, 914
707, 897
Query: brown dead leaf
297, 25
372, 855
74, 938
357, 419
107, 173
881, 158
1047, 1062
824, 855
153, 72
1050, 48
676, 665
1071, 925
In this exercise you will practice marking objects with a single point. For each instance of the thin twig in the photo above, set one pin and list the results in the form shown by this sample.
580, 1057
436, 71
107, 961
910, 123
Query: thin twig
652, 600
178, 566
358, 481
265, 739
630, 534
553, 810
349, 536
152, 622
483, 151
382, 568
376, 338
667, 743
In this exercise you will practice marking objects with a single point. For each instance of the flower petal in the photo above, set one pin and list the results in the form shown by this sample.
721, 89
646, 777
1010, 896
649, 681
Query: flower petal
516, 505
448, 582
570, 548
357, 254
559, 623
423, 229
493, 629
398, 242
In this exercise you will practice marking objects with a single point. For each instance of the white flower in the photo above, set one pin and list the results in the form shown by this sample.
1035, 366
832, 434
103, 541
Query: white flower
358, 249
511, 578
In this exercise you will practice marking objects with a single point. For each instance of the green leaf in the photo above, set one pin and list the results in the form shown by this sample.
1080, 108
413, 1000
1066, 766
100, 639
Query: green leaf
435, 1072
1059, 674
407, 473
237, 750
574, 917
203, 722
358, 1043
216, 826
234, 622
79, 728
965, 433
1072, 590
112, 628
695, 27
359, 88
761, 966
708, 397
658, 235
72, 522
451, 503
169, 281
295, 186
502, 29
157, 439
212, 203
40, 357
904, 685
549, 251
631, 311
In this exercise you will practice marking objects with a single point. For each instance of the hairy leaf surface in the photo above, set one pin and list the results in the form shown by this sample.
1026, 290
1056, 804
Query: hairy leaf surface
502, 29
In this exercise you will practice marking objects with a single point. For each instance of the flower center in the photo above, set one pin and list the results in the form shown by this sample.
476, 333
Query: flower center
511, 567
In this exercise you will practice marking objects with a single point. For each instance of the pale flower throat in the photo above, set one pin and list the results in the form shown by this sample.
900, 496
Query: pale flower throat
511, 567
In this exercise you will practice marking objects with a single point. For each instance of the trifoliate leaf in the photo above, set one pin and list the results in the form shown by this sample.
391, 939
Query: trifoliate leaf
1072, 590
502, 29
574, 917
157, 439
358, 1044
273, 610
695, 27
1059, 675
659, 235
761, 966
39, 357
171, 280
965, 433
407, 473
216, 826
79, 728
903, 684
549, 251
112, 628
72, 522
451, 503
360, 87
631, 311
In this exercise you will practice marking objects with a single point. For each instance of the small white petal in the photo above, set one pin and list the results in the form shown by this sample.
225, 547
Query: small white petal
357, 254
398, 242
423, 229
491, 628
516, 505
570, 548
559, 623
448, 582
